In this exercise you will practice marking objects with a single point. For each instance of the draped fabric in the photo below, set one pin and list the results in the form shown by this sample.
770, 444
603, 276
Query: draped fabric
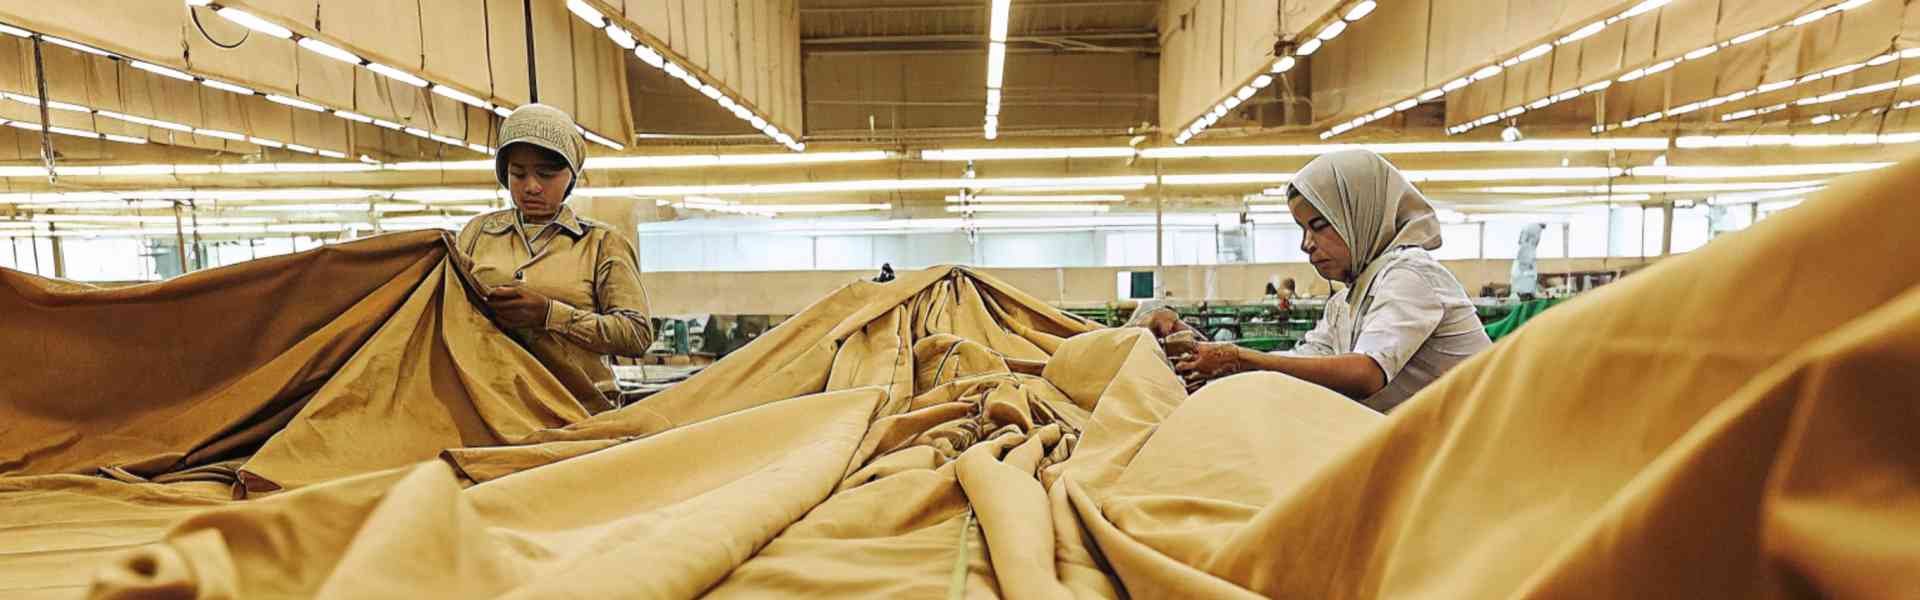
1734, 422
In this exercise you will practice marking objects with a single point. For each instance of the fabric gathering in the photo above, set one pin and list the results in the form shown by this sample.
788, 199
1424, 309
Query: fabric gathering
774, 299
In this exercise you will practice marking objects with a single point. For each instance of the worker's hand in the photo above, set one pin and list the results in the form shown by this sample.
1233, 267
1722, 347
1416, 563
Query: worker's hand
518, 307
1181, 344
1209, 360
1161, 321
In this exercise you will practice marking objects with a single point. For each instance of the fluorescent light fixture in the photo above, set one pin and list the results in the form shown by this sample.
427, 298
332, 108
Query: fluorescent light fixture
1431, 95
125, 139
1810, 17
1644, 188
820, 208
1540, 145
257, 141
329, 51
1225, 178
1455, 84
1535, 52
1750, 36
1088, 187
997, 198
397, 75
997, 20
388, 124
225, 135
125, 170
1332, 30
649, 56
447, 139
462, 97
249, 21
301, 148
502, 111
481, 148
587, 13
222, 85
1361, 10
621, 37
757, 122
15, 31
1744, 171
351, 116
712, 93
1582, 33
1513, 173
1701, 53
1486, 72
418, 132
674, 70
1643, 8
1308, 48
1284, 64
295, 102
74, 132
76, 46
1025, 153
1261, 82
1029, 208
159, 70
595, 138
56, 104
456, 165
996, 63
446, 194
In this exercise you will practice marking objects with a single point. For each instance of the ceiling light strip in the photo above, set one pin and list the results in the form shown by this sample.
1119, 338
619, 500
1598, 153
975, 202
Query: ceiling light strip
245, 19
1259, 81
1493, 69
998, 15
1658, 67
648, 49
1626, 76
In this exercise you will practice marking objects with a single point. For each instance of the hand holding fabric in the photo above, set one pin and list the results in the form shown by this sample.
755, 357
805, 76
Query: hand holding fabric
1210, 360
1181, 344
518, 307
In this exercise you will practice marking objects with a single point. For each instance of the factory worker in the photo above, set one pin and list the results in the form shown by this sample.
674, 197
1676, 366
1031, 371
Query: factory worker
566, 286
1402, 320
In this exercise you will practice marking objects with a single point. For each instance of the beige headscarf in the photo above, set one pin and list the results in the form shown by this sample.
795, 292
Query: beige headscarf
1372, 206
547, 127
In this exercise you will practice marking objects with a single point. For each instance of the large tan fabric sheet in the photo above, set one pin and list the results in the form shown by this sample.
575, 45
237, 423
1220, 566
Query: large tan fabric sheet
1735, 422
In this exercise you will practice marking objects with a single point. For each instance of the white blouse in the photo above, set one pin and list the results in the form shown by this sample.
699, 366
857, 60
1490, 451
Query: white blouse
1420, 324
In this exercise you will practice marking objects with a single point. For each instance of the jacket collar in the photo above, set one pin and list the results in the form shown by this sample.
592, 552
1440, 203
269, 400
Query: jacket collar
503, 221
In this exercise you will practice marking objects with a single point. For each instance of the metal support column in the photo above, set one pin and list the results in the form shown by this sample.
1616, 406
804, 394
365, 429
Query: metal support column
179, 238
59, 255
1666, 229
1159, 233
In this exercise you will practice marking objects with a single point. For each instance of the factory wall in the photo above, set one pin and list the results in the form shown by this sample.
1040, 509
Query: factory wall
787, 292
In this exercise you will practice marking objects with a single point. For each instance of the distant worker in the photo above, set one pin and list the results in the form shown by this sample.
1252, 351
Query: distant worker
1526, 275
1402, 319
566, 286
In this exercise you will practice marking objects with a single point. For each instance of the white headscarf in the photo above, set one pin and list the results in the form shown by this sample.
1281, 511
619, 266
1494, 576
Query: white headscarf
1372, 206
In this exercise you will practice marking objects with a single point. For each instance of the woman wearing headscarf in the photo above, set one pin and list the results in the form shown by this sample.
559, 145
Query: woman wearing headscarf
1402, 320
566, 286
